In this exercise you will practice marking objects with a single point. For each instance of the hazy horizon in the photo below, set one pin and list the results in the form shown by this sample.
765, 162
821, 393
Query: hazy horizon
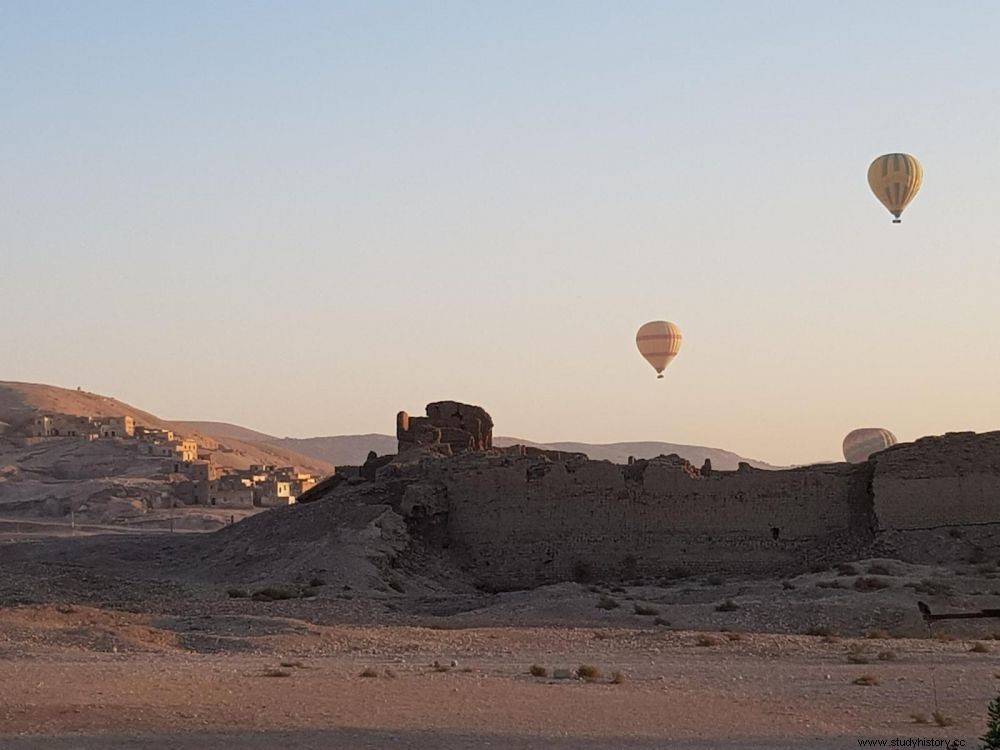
302, 218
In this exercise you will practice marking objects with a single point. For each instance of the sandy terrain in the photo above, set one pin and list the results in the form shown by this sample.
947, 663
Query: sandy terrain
86, 671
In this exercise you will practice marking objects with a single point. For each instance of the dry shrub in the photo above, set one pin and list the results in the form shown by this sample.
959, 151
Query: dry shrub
237, 594
645, 610
832, 584
277, 673
877, 634
662, 621
273, 594
919, 717
736, 636
368, 672
979, 648
537, 670
888, 656
847, 569
819, 630
870, 583
715, 580
867, 680
606, 602
727, 606
292, 664
707, 640
588, 672
880, 569
788, 585
941, 720
930, 587
617, 678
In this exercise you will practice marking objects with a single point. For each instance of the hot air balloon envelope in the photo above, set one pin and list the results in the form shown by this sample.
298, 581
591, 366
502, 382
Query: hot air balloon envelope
658, 342
895, 180
860, 444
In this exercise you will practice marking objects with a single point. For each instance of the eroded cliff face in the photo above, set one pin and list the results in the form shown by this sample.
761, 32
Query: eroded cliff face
515, 518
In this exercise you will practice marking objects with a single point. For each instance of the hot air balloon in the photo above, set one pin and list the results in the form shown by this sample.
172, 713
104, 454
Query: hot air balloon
659, 341
862, 443
895, 180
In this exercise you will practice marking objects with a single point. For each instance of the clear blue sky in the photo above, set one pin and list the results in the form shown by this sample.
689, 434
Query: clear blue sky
304, 217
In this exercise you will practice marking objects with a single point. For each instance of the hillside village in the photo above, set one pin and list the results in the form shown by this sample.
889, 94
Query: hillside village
207, 483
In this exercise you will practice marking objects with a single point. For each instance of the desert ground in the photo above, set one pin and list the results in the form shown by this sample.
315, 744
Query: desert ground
107, 641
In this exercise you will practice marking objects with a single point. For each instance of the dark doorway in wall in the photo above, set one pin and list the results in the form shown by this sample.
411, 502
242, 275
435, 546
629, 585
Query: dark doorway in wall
775, 532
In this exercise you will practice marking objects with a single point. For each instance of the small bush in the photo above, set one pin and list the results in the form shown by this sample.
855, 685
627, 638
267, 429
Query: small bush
678, 573
617, 590
727, 606
919, 718
277, 673
788, 585
955, 533
606, 602
272, 594
819, 630
870, 583
292, 664
830, 639
979, 648
642, 609
707, 640
877, 634
309, 593
867, 680
662, 621
941, 720
368, 672
537, 670
944, 638
933, 588
715, 580
880, 569
588, 672
832, 584
818, 568
888, 656
736, 636
847, 569
858, 658
397, 585
237, 594
439, 667
316, 582
617, 678
390, 674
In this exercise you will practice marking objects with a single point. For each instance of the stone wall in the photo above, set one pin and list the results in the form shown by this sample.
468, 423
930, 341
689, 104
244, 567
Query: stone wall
449, 427
949, 480
519, 517
519, 522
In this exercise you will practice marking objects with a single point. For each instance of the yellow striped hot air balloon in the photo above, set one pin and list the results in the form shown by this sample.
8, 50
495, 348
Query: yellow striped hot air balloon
862, 443
895, 180
658, 342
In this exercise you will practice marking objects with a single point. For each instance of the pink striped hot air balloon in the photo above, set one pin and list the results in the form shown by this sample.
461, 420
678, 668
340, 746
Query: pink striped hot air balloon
862, 443
658, 342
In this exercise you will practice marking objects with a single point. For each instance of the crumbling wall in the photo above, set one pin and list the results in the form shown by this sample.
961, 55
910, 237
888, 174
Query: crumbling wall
521, 522
449, 427
946, 480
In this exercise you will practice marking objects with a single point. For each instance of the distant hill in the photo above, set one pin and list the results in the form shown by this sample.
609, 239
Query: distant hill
20, 402
351, 450
619, 452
